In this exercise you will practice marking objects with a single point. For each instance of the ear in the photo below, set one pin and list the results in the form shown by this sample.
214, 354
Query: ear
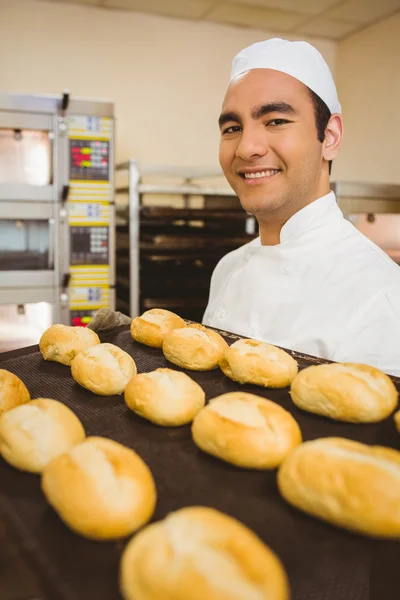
333, 137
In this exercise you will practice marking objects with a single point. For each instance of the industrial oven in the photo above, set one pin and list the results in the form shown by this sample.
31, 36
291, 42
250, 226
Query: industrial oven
56, 205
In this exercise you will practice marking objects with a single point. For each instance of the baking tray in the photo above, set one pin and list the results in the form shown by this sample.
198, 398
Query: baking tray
323, 562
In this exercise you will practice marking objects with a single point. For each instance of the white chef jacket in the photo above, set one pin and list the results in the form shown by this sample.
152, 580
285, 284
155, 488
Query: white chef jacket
325, 290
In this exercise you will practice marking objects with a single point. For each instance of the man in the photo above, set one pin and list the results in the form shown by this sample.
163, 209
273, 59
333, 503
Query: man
311, 282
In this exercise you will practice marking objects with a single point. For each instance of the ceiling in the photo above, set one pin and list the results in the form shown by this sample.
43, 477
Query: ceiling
332, 19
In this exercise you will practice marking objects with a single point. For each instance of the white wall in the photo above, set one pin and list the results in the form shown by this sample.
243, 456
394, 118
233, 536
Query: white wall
368, 79
167, 77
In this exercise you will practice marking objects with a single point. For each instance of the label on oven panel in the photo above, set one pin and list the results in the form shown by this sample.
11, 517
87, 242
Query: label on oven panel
90, 126
89, 213
87, 297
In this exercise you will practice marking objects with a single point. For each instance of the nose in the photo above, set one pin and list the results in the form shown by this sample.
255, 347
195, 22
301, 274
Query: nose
252, 144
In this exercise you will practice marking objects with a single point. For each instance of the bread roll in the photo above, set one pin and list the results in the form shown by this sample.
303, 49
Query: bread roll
62, 343
104, 369
246, 430
200, 553
13, 391
251, 361
397, 420
100, 489
151, 327
33, 434
165, 397
345, 392
345, 483
195, 347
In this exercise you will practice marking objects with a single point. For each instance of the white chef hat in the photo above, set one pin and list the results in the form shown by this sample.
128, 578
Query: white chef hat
298, 59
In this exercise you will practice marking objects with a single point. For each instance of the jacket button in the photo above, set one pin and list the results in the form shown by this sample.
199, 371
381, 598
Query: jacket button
222, 313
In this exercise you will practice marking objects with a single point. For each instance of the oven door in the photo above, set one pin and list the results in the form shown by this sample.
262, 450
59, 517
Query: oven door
27, 248
27, 157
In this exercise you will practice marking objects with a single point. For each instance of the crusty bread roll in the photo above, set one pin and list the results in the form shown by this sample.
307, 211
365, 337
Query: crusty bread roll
345, 392
13, 391
199, 552
100, 489
246, 430
104, 369
397, 420
165, 397
196, 348
151, 327
33, 434
251, 361
345, 483
62, 343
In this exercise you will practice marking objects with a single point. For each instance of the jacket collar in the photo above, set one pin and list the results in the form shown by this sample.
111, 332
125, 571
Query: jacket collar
322, 212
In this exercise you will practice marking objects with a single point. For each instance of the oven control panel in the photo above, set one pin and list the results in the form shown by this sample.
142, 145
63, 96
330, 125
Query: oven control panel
89, 245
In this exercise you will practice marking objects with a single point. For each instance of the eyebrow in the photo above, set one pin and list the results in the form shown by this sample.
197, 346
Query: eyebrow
258, 112
280, 107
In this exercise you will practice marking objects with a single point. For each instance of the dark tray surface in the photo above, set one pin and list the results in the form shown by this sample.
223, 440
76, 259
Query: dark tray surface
323, 562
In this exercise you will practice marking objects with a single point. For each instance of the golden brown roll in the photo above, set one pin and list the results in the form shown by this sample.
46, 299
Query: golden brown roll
165, 397
397, 420
345, 483
151, 327
104, 369
33, 434
246, 430
345, 392
196, 348
62, 343
13, 391
251, 361
199, 552
100, 489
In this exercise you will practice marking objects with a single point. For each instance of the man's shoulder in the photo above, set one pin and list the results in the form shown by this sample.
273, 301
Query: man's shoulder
364, 254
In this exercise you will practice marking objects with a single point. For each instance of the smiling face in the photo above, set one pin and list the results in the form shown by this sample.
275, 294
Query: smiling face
269, 150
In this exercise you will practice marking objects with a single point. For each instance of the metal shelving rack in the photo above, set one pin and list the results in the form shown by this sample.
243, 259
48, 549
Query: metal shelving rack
144, 231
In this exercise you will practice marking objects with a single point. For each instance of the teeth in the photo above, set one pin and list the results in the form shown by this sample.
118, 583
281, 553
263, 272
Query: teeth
261, 174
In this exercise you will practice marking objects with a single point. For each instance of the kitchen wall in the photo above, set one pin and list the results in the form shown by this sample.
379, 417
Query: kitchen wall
167, 77
368, 80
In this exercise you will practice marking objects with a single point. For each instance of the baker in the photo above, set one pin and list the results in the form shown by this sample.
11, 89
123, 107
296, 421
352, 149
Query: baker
310, 282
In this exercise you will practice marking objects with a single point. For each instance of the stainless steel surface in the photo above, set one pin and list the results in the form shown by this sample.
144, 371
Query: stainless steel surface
21, 120
365, 190
134, 205
52, 104
33, 295
27, 210
182, 172
26, 193
148, 188
25, 280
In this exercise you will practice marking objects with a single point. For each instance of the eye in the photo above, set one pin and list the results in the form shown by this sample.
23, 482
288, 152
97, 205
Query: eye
231, 129
277, 122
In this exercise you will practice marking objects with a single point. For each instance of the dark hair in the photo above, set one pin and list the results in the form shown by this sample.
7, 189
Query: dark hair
322, 116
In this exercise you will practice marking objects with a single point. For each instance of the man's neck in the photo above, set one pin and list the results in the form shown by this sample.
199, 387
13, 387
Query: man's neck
270, 225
